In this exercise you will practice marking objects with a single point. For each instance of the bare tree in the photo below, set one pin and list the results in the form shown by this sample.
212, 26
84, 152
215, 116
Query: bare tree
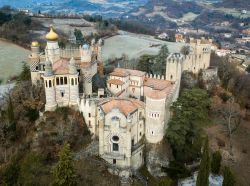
231, 113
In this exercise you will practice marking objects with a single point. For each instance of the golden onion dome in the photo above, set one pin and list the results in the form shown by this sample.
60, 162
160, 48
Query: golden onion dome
35, 44
52, 36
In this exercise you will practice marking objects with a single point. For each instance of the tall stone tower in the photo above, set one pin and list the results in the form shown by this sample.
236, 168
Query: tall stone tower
49, 85
174, 67
88, 68
34, 63
52, 50
73, 83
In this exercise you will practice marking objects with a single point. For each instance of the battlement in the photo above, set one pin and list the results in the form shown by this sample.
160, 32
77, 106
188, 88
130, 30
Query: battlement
175, 57
203, 40
155, 76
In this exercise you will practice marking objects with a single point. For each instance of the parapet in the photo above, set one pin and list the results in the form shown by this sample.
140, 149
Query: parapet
175, 57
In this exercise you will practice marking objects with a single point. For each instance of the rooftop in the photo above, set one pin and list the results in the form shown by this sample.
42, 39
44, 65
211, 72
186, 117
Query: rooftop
125, 105
122, 72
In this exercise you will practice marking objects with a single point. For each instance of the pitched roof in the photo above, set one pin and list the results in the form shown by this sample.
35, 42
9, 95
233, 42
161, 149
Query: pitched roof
125, 105
115, 82
61, 66
157, 84
122, 72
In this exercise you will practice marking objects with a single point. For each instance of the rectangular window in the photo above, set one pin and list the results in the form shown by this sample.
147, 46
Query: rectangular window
75, 81
65, 80
114, 161
46, 84
89, 114
57, 81
117, 86
50, 83
72, 81
61, 80
89, 123
115, 147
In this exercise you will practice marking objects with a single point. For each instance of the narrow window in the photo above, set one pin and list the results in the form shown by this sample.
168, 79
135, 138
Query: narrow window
115, 147
171, 77
62, 94
57, 81
109, 84
133, 142
140, 133
61, 80
65, 80
89, 123
46, 84
50, 83
114, 161
75, 81
89, 115
117, 86
72, 81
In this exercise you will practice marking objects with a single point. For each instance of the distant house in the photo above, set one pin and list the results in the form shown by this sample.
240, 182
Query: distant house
163, 36
179, 38
243, 11
223, 52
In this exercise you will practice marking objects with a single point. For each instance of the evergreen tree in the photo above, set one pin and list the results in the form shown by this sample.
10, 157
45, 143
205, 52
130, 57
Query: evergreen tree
203, 175
190, 111
229, 179
216, 162
25, 74
79, 37
159, 66
64, 173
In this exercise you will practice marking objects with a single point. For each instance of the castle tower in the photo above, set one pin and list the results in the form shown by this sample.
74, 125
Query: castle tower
74, 84
49, 85
174, 67
86, 54
99, 57
52, 50
34, 60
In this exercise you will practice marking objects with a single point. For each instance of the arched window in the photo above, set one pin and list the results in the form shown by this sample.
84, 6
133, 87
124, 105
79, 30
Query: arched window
46, 84
72, 81
50, 83
61, 80
65, 80
57, 81
75, 81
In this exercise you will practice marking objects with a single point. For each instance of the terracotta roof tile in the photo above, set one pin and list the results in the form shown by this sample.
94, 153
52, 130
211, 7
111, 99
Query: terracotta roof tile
61, 66
115, 82
122, 72
125, 105
157, 84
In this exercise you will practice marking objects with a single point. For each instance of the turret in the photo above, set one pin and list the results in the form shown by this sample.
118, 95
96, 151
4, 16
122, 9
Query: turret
34, 60
49, 85
174, 66
86, 54
74, 84
52, 50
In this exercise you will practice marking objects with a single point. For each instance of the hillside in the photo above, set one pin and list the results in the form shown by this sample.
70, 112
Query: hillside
110, 8
244, 4
164, 13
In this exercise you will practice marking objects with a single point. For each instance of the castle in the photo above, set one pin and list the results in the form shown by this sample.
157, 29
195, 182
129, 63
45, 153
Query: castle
133, 105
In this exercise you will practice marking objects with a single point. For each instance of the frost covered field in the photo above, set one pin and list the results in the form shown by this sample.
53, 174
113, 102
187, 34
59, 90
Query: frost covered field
134, 46
11, 57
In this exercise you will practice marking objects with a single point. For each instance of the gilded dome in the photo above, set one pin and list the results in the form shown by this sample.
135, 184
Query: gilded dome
51, 36
35, 44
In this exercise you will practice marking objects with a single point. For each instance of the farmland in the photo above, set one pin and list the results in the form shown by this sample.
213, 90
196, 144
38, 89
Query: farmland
11, 58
